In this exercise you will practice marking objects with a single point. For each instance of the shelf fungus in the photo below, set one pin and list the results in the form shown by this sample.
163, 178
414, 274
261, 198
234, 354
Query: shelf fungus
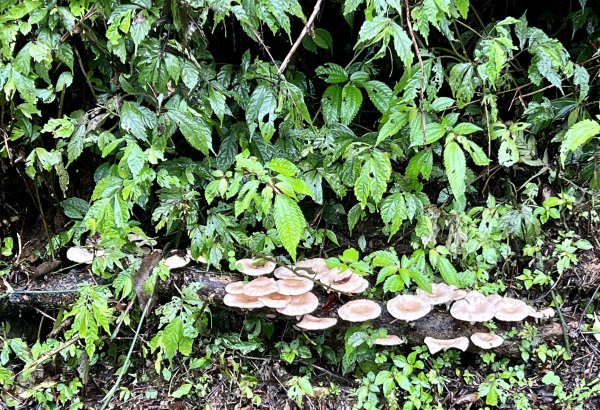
486, 340
473, 310
436, 345
359, 310
255, 267
408, 307
300, 305
310, 322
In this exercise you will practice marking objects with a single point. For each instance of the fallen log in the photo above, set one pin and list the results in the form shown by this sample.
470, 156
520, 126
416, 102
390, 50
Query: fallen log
59, 290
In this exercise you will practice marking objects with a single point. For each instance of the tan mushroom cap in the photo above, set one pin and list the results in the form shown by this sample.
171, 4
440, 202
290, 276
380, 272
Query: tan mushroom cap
300, 305
351, 284
441, 293
408, 307
275, 300
176, 261
255, 267
474, 295
242, 301
335, 276
472, 310
235, 288
389, 340
542, 314
493, 299
139, 240
284, 272
486, 340
359, 310
512, 310
435, 345
294, 287
79, 254
260, 286
314, 268
458, 294
310, 322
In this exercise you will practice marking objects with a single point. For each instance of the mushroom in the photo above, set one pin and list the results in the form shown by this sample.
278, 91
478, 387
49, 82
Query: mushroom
300, 305
389, 340
458, 294
512, 310
284, 272
79, 254
294, 287
441, 293
408, 307
242, 301
176, 261
486, 340
542, 314
435, 345
472, 310
359, 310
310, 322
314, 268
474, 295
140, 241
235, 288
255, 267
261, 286
335, 276
351, 284
493, 299
275, 300
200, 258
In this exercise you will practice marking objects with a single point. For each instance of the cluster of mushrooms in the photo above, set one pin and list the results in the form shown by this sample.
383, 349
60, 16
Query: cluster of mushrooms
289, 292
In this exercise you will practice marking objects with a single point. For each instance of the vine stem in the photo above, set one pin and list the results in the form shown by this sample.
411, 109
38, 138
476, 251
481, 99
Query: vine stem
418, 53
303, 33
107, 399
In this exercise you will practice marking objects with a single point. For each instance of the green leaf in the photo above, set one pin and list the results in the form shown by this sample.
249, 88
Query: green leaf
351, 102
379, 93
508, 154
332, 73
402, 45
447, 271
290, 223
422, 279
196, 128
577, 136
456, 168
136, 119
466, 128
463, 7
283, 166
421, 163
479, 157
75, 208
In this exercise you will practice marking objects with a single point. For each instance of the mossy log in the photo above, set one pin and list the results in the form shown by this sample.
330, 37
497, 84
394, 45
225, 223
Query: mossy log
53, 291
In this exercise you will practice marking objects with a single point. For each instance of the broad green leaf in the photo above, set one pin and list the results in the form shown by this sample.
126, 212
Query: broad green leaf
421, 163
463, 7
577, 136
332, 73
351, 102
402, 45
195, 127
479, 157
290, 223
456, 168
137, 119
283, 166
75, 208
447, 271
508, 154
379, 93
422, 279
466, 128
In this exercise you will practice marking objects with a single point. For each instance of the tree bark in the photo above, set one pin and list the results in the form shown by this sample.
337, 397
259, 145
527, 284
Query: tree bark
55, 291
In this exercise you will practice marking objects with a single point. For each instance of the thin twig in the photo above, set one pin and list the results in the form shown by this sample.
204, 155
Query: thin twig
563, 323
418, 53
87, 80
303, 33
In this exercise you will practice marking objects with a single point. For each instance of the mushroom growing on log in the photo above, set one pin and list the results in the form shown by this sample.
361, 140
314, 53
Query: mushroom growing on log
61, 290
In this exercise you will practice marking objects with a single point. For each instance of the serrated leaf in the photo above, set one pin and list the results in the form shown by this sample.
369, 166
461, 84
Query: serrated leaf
195, 127
577, 136
447, 271
466, 128
463, 7
351, 102
283, 166
479, 157
442, 103
422, 279
402, 45
332, 73
394, 212
508, 154
421, 163
75, 208
379, 93
289, 222
137, 119
456, 168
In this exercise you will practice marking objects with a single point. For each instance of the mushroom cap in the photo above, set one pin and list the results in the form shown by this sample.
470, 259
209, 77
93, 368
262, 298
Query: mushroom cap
493, 299
310, 322
364, 285
486, 340
139, 240
260, 286
335, 276
389, 340
474, 295
408, 307
275, 300
176, 261
255, 267
350, 284
200, 258
79, 254
294, 287
359, 310
542, 314
284, 272
441, 293
300, 305
512, 310
458, 294
472, 310
242, 301
435, 345
235, 288
315, 267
